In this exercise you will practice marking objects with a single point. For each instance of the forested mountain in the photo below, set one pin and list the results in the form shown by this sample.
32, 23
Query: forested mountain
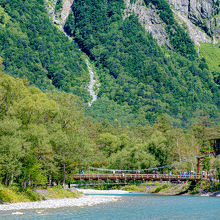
134, 70
33, 47
140, 77
149, 83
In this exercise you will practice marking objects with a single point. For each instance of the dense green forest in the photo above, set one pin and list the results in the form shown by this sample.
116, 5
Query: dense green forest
48, 137
134, 71
33, 47
138, 79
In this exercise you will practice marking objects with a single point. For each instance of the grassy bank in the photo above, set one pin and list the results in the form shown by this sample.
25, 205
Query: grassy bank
211, 53
16, 194
167, 188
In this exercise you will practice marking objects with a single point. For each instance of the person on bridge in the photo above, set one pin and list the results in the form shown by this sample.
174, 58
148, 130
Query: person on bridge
113, 172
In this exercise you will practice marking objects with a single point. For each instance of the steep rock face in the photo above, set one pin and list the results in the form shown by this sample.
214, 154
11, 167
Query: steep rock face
63, 14
196, 34
148, 18
202, 13
50, 7
59, 17
199, 17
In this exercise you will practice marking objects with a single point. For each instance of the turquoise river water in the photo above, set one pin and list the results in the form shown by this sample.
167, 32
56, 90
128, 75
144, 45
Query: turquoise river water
133, 207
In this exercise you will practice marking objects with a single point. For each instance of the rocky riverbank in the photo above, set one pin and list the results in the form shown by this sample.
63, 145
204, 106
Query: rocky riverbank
83, 200
185, 189
103, 192
60, 203
93, 197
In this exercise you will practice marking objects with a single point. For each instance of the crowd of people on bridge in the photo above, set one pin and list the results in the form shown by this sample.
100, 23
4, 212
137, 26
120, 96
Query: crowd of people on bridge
186, 174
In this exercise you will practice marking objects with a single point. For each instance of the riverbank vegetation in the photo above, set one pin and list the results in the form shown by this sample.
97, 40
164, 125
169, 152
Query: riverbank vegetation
16, 194
167, 188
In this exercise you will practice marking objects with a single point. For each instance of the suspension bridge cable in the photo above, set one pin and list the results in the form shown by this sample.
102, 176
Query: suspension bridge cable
155, 168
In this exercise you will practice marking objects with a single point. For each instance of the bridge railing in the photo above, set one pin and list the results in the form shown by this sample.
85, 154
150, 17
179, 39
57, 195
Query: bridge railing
139, 176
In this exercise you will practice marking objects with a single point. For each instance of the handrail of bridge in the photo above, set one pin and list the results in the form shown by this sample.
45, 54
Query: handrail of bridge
143, 176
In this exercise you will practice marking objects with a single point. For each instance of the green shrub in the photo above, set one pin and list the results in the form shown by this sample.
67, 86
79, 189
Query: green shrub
151, 183
32, 195
133, 188
59, 192
11, 195
217, 186
59, 5
159, 188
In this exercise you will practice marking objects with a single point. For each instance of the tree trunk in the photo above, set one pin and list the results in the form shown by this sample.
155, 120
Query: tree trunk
24, 184
29, 180
50, 181
6, 180
64, 173
12, 179
192, 166
177, 143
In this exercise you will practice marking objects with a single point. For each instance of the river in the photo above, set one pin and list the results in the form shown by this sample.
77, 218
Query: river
132, 207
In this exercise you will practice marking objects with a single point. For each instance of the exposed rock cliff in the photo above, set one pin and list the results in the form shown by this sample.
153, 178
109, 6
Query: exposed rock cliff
59, 17
195, 33
200, 18
50, 7
63, 14
202, 13
149, 19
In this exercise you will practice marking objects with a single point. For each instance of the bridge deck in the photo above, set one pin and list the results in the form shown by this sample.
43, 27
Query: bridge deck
143, 177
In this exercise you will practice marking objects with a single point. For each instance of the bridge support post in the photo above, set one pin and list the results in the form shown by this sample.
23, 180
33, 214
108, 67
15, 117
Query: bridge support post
198, 164
199, 159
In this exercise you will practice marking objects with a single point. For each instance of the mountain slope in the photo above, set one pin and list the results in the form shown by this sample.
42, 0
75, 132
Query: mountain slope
205, 14
200, 18
141, 75
134, 70
32, 47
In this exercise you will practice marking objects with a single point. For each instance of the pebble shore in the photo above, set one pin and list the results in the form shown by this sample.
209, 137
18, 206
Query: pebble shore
85, 200
103, 192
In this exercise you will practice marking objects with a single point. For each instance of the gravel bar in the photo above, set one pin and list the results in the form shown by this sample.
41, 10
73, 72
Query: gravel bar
59, 203
103, 192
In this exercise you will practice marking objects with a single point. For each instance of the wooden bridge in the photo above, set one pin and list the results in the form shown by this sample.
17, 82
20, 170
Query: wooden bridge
140, 177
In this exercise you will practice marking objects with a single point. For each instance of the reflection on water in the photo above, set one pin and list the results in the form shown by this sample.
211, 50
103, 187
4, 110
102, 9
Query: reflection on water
133, 207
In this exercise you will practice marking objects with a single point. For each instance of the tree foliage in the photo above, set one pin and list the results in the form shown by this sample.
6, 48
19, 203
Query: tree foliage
33, 47
48, 137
